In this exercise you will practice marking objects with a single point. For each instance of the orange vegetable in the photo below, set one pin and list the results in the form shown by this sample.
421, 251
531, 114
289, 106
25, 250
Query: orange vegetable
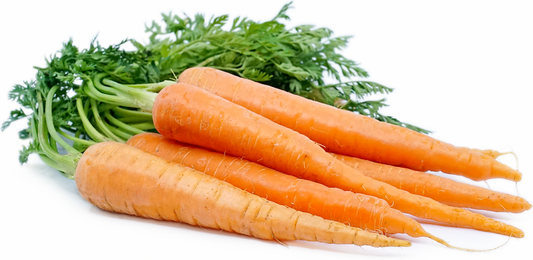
441, 189
358, 210
123, 179
347, 133
189, 114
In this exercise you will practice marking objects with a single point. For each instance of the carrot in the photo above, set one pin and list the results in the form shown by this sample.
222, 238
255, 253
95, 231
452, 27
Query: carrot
441, 189
344, 132
123, 179
189, 114
120, 178
358, 210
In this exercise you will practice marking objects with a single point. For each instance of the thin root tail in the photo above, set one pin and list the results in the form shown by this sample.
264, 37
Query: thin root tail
441, 241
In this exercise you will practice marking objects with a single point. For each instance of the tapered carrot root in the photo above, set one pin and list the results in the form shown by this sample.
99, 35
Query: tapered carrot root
152, 187
495, 154
366, 212
189, 114
347, 133
441, 189
357, 210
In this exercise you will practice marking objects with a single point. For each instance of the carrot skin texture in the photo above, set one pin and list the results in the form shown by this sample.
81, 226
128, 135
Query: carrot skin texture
357, 210
123, 179
441, 189
347, 133
191, 115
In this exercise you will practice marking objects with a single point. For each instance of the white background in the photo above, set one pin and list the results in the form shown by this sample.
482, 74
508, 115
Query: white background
459, 68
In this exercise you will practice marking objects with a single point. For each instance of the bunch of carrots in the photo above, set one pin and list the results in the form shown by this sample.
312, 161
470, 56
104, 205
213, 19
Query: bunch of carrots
232, 154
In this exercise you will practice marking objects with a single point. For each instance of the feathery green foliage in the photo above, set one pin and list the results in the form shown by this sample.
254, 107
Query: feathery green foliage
98, 94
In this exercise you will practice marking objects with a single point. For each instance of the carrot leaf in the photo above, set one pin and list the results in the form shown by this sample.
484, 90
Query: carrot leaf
298, 59
106, 93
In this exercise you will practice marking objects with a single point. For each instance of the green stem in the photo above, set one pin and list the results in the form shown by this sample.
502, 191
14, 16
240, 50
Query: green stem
123, 135
60, 167
76, 139
65, 163
52, 163
144, 126
89, 128
97, 81
103, 107
121, 125
132, 97
93, 93
132, 120
100, 122
50, 122
152, 87
52, 143
133, 114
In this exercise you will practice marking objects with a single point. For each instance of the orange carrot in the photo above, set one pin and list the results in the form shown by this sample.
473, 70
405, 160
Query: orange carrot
189, 114
441, 189
357, 210
123, 179
347, 133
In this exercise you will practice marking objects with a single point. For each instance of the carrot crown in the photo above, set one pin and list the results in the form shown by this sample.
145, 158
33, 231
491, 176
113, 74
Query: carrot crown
46, 138
97, 119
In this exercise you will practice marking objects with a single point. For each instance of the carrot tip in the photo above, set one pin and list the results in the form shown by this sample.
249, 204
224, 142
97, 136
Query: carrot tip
404, 243
442, 242
527, 205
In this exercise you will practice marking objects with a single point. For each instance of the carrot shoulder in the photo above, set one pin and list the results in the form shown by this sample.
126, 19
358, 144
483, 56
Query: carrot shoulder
347, 133
189, 114
357, 210
441, 189
123, 179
